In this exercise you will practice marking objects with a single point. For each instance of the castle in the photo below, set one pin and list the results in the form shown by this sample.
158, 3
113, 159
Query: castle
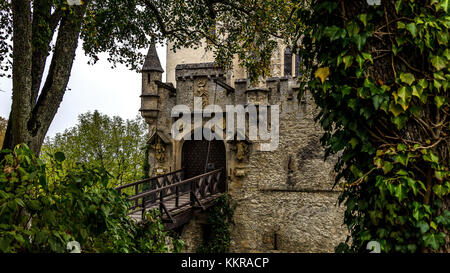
285, 201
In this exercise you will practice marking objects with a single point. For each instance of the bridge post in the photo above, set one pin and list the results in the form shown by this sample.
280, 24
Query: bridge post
177, 192
161, 205
192, 193
136, 192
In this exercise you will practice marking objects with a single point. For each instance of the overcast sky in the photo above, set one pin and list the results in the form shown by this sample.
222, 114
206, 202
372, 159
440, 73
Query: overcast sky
92, 87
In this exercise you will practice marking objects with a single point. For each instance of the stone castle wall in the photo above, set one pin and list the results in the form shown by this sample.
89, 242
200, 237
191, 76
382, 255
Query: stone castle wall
284, 198
286, 201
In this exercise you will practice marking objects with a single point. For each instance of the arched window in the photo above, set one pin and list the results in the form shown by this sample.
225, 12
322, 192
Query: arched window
287, 62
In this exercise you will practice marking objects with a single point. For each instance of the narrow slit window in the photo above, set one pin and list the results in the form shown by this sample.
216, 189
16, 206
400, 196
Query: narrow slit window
297, 65
287, 62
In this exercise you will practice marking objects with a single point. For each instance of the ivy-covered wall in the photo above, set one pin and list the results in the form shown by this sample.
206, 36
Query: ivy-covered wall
380, 76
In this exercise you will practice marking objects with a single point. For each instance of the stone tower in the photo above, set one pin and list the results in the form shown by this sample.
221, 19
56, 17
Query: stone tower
285, 199
151, 74
283, 62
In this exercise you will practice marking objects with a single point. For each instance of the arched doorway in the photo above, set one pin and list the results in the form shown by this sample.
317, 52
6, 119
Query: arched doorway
194, 153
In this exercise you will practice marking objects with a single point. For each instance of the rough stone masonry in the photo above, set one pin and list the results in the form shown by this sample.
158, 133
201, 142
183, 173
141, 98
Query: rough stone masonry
285, 201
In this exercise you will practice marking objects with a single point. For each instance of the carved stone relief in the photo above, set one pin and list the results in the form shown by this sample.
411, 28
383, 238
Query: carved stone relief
241, 150
160, 151
201, 90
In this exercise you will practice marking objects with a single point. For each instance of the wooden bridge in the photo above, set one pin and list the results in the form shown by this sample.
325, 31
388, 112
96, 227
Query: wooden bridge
176, 198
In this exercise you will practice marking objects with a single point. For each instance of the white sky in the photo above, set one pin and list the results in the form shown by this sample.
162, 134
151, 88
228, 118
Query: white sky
114, 92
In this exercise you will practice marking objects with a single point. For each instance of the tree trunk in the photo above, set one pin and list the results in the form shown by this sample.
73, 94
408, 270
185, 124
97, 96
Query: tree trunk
21, 107
30, 115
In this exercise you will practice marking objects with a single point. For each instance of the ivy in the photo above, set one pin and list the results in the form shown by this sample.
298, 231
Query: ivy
220, 219
380, 77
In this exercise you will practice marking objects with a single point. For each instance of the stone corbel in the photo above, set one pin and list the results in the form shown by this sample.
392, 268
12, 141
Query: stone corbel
241, 149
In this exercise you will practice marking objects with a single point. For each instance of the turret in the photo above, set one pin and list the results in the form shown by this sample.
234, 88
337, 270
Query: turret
151, 72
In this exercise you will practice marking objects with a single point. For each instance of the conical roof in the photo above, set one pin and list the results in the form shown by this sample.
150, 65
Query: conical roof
152, 62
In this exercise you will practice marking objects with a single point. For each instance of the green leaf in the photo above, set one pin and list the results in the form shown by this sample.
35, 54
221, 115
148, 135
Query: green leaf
434, 240
352, 28
334, 32
412, 28
395, 109
431, 157
360, 41
402, 159
367, 56
354, 141
444, 218
412, 248
404, 93
437, 84
439, 190
447, 54
396, 50
360, 60
20, 202
433, 225
400, 192
412, 184
423, 83
387, 167
407, 78
439, 175
439, 76
439, 100
398, 5
348, 60
438, 62
444, 5
352, 103
363, 18
423, 226
399, 121
377, 101
417, 91
345, 90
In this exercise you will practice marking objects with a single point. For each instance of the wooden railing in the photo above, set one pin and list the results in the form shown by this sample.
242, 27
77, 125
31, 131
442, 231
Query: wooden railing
148, 184
170, 192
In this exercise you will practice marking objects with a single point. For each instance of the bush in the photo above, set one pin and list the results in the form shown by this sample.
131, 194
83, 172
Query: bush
41, 216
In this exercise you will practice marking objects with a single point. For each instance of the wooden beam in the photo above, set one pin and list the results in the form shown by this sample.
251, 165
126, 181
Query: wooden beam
198, 201
225, 86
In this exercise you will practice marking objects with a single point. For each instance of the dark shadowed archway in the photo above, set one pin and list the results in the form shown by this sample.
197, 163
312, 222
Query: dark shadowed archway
194, 154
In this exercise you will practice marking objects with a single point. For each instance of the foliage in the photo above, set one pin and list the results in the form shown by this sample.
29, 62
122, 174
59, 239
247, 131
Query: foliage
220, 219
99, 141
380, 77
122, 29
3, 124
247, 29
41, 216
145, 164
